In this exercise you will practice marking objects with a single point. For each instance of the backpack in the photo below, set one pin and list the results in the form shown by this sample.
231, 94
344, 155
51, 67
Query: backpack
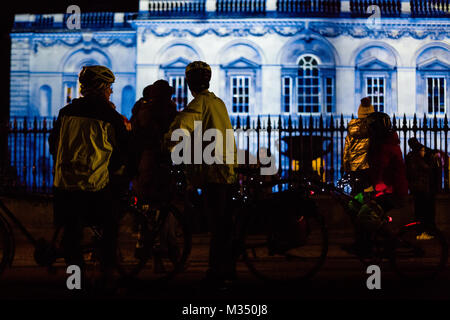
379, 126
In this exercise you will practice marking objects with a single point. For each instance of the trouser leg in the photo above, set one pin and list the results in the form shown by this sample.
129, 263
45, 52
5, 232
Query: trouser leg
73, 231
221, 260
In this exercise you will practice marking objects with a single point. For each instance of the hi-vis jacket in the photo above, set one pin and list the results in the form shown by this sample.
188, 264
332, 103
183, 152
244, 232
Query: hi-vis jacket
356, 146
88, 144
210, 111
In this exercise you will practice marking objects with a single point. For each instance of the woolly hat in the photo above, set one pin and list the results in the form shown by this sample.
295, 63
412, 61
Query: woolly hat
159, 89
365, 108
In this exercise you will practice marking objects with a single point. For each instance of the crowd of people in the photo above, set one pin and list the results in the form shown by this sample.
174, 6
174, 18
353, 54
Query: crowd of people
373, 159
97, 152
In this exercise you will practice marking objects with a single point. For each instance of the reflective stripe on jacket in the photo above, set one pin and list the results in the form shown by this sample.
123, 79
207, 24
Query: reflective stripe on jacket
88, 143
211, 111
356, 146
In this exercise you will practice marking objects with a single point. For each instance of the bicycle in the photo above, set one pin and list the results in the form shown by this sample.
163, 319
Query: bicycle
410, 258
145, 234
279, 233
154, 234
46, 253
257, 238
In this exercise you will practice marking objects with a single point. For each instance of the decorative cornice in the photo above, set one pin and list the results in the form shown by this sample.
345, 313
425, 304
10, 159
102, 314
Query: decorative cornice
392, 29
104, 39
388, 30
220, 29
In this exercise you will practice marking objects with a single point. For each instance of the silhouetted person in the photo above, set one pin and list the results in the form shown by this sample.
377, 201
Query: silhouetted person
421, 164
89, 144
356, 160
152, 116
215, 179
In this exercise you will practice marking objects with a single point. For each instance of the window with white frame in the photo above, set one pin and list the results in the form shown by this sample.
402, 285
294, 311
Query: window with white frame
180, 95
308, 85
309, 88
375, 89
240, 93
329, 94
286, 94
436, 87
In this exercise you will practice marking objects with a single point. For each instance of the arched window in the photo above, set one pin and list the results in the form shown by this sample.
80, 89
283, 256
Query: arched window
45, 101
308, 85
309, 88
128, 97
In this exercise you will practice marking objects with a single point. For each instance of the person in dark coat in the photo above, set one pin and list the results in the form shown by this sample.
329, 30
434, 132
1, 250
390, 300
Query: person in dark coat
422, 167
387, 168
152, 116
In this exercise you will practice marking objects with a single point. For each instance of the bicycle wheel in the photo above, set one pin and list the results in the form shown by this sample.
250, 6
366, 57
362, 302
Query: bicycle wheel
131, 256
273, 260
415, 259
161, 241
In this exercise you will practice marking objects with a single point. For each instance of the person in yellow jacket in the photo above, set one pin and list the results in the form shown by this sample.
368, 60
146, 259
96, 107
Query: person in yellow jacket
356, 150
204, 113
89, 146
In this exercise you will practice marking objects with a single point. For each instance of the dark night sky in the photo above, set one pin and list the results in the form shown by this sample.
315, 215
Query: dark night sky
45, 6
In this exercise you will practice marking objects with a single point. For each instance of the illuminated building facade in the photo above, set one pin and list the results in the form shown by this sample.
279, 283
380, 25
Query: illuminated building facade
267, 56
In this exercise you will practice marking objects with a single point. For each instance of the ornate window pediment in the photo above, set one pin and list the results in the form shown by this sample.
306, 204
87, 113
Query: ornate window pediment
433, 64
241, 63
374, 64
176, 64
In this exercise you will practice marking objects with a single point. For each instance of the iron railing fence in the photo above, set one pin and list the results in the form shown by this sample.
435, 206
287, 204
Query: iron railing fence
292, 142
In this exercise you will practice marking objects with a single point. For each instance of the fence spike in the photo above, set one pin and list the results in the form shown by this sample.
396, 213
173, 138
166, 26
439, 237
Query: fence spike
342, 127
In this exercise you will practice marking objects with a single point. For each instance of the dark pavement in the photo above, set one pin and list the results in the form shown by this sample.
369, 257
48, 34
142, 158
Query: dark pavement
339, 285
342, 277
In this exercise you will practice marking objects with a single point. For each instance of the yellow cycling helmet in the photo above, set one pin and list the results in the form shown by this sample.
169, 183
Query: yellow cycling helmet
92, 74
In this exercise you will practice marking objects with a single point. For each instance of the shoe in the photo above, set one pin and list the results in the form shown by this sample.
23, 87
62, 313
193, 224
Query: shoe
424, 236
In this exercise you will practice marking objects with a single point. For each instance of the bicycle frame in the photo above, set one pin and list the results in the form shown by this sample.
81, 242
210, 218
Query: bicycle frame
17, 223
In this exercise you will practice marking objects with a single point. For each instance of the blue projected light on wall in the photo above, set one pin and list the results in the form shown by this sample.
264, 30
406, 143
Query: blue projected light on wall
128, 99
263, 42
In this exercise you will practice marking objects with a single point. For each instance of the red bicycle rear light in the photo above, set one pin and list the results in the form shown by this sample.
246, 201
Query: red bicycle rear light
135, 200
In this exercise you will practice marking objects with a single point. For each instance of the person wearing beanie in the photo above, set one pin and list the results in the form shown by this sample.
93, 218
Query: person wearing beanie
365, 108
356, 162
423, 173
